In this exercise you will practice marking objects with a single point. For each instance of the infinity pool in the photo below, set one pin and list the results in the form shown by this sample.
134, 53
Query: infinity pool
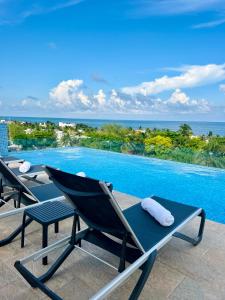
142, 177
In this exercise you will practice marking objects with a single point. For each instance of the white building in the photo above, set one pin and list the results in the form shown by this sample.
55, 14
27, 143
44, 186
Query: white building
28, 131
61, 124
59, 134
44, 125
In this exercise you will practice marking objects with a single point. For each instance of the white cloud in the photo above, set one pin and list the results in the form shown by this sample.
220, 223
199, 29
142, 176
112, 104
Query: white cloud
191, 76
209, 24
69, 96
176, 7
67, 92
143, 8
31, 102
116, 102
179, 97
182, 102
15, 11
83, 99
100, 97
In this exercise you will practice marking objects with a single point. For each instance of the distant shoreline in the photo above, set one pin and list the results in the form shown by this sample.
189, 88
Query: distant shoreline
198, 127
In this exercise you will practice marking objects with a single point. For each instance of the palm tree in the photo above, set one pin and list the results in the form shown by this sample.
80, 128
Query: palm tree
185, 130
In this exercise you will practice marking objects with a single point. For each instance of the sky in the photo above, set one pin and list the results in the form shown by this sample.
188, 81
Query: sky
120, 59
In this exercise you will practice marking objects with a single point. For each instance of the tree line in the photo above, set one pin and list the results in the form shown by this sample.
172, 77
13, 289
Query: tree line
180, 145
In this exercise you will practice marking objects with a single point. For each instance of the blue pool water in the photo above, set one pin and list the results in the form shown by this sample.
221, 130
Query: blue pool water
142, 177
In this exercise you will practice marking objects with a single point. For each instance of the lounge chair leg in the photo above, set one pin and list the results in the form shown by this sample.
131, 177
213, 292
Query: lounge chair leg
1, 188
57, 227
34, 282
147, 267
194, 241
19, 199
45, 243
78, 227
201, 228
3, 201
51, 271
76, 224
14, 234
23, 230
123, 254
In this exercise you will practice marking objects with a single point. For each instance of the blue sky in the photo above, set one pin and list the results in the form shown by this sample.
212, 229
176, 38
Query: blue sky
125, 59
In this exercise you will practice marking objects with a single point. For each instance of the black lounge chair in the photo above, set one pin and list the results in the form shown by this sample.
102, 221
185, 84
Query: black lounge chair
12, 188
32, 174
140, 235
11, 159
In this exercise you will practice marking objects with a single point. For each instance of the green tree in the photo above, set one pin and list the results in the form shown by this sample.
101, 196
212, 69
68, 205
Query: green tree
158, 144
196, 143
185, 130
216, 145
210, 134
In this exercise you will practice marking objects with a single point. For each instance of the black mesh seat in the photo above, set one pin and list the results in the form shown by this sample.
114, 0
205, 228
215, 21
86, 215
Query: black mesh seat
36, 169
45, 192
139, 219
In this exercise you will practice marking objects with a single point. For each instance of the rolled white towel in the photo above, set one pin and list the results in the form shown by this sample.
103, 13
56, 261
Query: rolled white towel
81, 174
25, 167
157, 211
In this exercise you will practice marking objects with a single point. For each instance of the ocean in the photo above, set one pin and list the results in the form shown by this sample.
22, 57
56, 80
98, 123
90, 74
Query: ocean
197, 127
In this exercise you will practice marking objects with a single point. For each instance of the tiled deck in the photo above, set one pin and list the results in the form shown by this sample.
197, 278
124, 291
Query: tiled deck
180, 272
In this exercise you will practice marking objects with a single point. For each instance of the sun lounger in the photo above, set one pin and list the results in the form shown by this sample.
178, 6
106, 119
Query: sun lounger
14, 188
32, 174
34, 170
140, 235
11, 159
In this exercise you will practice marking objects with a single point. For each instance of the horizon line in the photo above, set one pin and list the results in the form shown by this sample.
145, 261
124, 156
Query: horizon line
113, 119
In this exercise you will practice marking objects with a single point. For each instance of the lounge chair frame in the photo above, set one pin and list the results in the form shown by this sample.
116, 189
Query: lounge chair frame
137, 257
20, 191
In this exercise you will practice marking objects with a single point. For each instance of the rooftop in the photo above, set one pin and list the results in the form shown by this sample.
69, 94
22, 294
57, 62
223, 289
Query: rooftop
180, 272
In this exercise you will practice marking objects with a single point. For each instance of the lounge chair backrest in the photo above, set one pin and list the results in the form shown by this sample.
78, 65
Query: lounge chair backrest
11, 178
93, 202
90, 200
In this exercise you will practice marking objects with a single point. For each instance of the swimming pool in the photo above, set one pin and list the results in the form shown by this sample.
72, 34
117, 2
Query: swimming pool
141, 176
